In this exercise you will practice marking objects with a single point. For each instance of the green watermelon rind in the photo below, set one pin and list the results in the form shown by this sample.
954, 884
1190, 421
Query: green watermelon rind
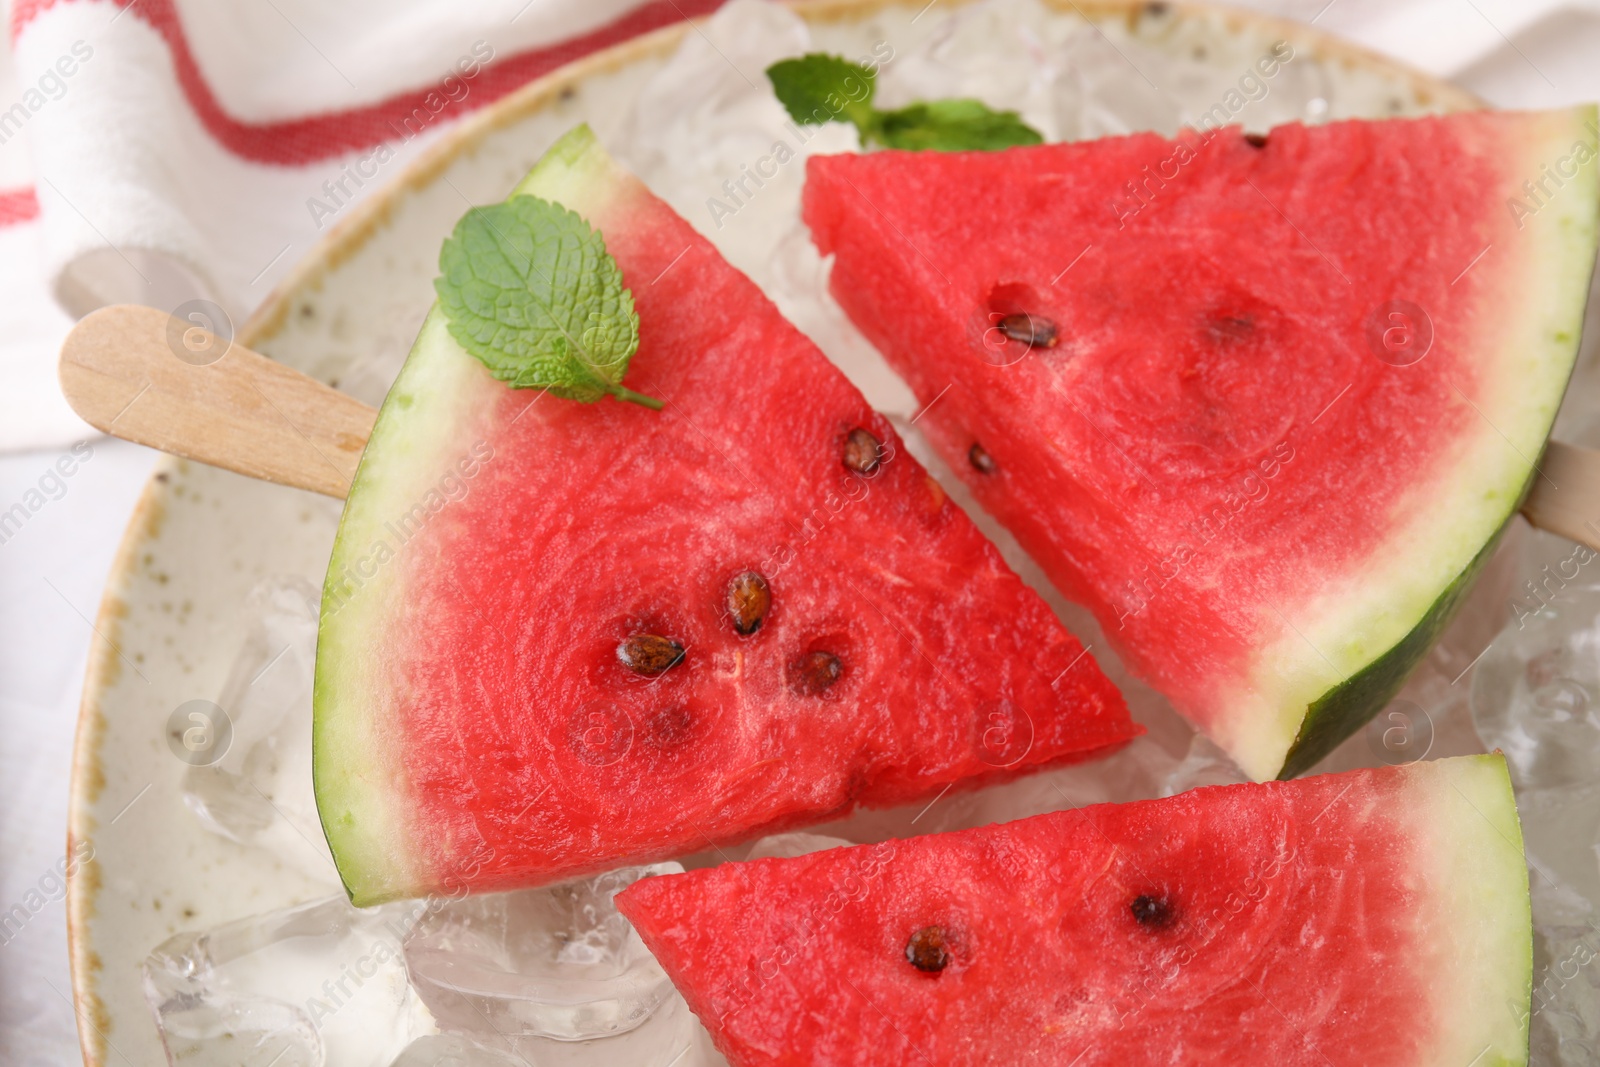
360, 787
1351, 704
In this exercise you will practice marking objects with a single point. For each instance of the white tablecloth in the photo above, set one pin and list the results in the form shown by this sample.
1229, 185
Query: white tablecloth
52, 572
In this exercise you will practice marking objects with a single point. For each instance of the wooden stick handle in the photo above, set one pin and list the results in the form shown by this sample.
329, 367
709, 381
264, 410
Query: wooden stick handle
144, 376
1565, 498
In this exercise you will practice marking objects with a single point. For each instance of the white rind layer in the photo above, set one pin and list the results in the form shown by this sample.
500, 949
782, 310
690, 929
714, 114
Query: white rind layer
361, 786
1479, 926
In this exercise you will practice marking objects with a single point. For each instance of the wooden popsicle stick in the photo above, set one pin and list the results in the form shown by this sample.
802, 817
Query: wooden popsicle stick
140, 374
122, 371
1565, 497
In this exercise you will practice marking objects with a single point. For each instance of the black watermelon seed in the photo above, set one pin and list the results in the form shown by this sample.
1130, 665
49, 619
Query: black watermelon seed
927, 950
1231, 327
816, 671
1152, 912
649, 654
862, 452
1256, 140
749, 600
981, 461
1035, 331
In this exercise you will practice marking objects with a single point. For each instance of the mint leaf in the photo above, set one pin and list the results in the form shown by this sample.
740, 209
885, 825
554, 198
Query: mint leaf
531, 291
953, 126
819, 88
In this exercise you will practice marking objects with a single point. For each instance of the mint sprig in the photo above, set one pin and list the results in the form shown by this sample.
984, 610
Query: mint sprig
531, 291
819, 88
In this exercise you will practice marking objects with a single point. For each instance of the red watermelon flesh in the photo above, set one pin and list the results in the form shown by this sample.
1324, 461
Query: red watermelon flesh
476, 727
1378, 918
1283, 396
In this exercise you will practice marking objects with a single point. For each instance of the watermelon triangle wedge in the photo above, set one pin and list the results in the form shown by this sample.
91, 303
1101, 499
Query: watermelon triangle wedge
557, 637
1378, 918
1262, 403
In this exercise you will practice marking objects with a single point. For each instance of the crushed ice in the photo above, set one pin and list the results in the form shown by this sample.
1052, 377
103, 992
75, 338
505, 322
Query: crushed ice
1536, 697
546, 973
259, 791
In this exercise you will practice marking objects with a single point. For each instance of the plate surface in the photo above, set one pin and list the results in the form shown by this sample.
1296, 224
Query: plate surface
173, 619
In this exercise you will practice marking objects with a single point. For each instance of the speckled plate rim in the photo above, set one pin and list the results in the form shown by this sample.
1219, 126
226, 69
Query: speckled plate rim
371, 216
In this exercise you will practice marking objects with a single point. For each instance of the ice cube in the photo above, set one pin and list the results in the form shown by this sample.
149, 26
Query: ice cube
1109, 87
258, 790
709, 114
319, 984
1536, 698
453, 1050
558, 962
1205, 764
1536, 694
1561, 835
790, 845
670, 1037
1565, 1018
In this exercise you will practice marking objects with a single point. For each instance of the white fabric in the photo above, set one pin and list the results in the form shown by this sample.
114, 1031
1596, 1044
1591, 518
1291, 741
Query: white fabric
116, 182
32, 412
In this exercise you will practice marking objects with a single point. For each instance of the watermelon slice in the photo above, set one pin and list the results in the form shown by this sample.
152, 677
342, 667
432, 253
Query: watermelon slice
1378, 918
559, 636
1262, 404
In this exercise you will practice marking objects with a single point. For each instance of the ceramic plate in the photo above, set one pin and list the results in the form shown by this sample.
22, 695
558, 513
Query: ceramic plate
173, 618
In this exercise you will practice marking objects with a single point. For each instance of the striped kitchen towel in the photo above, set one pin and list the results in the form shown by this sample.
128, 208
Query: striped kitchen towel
157, 150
